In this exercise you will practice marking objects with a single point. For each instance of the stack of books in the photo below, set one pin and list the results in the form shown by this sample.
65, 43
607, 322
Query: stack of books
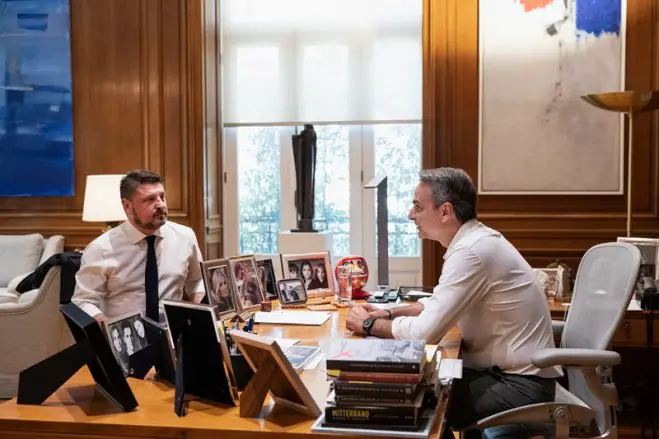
381, 384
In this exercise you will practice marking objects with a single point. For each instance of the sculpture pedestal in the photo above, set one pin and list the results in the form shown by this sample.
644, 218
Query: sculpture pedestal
300, 242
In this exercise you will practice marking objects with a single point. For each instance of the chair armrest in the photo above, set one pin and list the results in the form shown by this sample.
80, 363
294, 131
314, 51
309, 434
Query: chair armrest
52, 246
557, 327
538, 413
50, 285
570, 357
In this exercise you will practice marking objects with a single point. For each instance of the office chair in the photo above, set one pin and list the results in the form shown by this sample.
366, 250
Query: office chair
603, 288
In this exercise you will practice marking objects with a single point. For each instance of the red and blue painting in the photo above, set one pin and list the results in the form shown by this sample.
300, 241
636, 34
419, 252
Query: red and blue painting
36, 117
537, 59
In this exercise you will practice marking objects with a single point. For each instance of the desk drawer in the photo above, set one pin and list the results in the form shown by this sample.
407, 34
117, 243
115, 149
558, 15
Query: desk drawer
632, 332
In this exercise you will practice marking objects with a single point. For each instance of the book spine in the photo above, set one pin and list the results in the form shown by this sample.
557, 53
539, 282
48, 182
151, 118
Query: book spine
381, 390
371, 367
375, 377
373, 400
367, 415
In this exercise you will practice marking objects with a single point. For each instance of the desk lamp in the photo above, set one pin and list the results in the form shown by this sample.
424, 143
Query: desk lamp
630, 103
102, 201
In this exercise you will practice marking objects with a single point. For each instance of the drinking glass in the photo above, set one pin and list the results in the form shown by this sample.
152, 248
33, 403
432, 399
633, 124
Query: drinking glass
344, 279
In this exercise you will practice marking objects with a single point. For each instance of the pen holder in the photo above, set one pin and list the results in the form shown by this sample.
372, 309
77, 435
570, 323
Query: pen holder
241, 370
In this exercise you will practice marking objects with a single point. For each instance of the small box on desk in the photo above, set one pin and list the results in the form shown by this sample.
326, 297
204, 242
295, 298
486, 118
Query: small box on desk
303, 242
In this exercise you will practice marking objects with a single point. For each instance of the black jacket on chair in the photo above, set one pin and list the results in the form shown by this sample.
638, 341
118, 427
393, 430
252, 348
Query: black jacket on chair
70, 263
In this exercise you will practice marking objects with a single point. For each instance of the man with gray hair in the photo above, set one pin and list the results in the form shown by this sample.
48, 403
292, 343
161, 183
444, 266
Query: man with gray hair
490, 292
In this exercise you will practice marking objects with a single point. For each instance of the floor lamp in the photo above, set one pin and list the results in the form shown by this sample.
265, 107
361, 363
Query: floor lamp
631, 103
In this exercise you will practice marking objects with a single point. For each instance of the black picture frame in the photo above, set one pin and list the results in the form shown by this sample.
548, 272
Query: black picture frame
91, 348
203, 364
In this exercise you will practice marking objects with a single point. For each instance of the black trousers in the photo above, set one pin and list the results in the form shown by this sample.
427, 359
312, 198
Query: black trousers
482, 393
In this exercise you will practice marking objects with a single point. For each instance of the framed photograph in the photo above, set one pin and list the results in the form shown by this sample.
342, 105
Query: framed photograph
274, 374
266, 271
219, 287
208, 371
314, 269
649, 255
106, 371
291, 291
244, 274
127, 335
552, 281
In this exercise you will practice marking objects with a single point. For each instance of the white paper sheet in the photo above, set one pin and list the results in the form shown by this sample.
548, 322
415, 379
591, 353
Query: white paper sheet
314, 362
283, 317
285, 343
450, 368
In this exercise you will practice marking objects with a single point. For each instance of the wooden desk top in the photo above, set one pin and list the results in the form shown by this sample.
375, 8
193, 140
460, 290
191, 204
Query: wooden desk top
558, 310
78, 410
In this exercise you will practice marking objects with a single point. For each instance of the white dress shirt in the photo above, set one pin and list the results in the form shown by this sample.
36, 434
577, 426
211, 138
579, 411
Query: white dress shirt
111, 275
492, 293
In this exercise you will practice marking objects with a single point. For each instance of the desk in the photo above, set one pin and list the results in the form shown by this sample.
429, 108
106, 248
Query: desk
632, 332
77, 410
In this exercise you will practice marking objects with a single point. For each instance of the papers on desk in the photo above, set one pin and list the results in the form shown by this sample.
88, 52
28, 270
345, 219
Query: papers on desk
284, 317
285, 343
450, 368
304, 357
418, 294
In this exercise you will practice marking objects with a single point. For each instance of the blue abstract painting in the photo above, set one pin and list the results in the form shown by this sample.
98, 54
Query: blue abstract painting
36, 130
538, 57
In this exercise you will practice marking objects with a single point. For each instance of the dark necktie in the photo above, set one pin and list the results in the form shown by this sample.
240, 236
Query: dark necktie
151, 280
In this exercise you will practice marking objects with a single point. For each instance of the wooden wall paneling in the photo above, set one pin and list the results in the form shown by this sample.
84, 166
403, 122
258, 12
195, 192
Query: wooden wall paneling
542, 227
191, 13
137, 102
213, 129
437, 109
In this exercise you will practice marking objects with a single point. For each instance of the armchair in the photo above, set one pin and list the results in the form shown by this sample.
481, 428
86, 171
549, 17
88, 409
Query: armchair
20, 255
603, 288
31, 330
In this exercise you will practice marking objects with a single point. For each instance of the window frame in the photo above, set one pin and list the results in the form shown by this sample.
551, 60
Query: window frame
362, 201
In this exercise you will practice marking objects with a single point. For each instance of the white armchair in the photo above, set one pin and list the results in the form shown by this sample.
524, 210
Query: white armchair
31, 326
603, 289
20, 255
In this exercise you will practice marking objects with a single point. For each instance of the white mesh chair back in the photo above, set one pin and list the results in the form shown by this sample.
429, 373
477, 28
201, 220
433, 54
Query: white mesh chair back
603, 288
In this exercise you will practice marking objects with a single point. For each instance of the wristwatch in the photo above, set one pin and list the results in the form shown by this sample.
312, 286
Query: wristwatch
367, 325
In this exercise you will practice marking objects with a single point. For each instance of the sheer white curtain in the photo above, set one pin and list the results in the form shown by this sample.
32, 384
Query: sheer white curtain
289, 62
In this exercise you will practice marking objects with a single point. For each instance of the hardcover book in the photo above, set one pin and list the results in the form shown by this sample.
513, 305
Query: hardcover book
375, 355
371, 401
380, 415
374, 377
383, 390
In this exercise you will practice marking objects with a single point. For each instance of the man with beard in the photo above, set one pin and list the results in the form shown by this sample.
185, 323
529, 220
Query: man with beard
144, 260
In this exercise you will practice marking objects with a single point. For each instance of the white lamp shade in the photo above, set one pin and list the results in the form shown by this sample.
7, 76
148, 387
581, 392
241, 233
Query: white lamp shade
102, 199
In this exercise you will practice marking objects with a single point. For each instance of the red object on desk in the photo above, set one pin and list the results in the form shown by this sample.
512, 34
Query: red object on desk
359, 274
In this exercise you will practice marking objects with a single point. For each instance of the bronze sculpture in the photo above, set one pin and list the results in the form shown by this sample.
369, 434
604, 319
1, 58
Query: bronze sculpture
304, 155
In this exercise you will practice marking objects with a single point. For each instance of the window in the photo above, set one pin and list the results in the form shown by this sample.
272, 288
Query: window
259, 189
356, 77
398, 154
332, 191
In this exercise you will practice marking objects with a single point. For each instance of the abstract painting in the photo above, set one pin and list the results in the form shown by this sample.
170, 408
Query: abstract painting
36, 130
537, 57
